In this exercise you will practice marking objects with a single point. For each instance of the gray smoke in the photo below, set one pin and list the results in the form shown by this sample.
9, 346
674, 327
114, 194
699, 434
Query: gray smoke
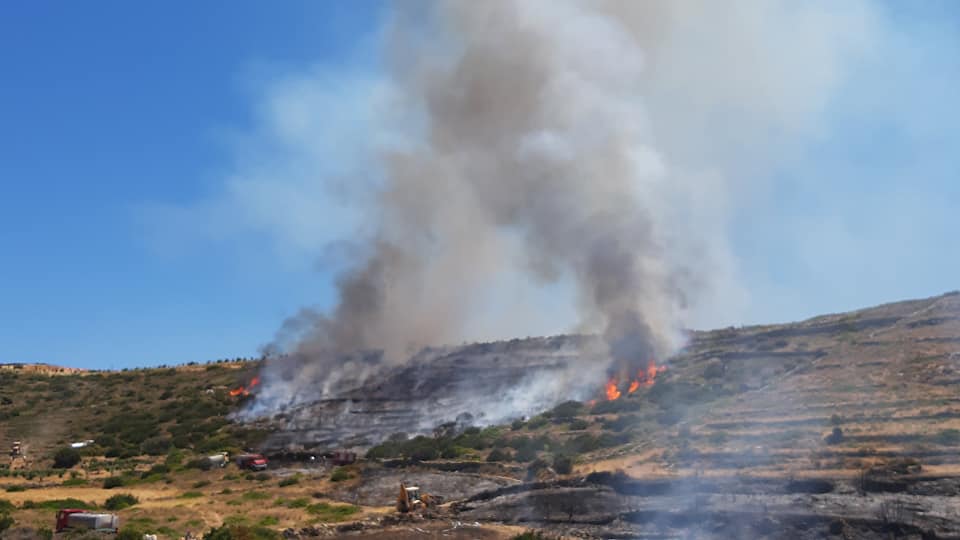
597, 145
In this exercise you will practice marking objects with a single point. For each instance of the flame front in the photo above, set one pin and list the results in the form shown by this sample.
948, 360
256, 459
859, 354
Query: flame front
645, 377
245, 391
612, 391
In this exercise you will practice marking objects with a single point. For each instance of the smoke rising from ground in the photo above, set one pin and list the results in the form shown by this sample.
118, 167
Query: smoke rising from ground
601, 146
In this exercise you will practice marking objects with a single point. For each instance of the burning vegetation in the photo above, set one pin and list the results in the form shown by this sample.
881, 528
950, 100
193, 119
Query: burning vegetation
245, 390
646, 377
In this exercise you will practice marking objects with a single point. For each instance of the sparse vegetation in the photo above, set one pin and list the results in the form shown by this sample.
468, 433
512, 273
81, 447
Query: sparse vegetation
120, 501
332, 512
340, 474
241, 532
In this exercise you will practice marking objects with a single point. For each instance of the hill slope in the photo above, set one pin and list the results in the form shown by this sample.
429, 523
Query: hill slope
778, 428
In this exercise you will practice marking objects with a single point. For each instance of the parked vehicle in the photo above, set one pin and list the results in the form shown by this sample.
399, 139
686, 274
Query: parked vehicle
253, 462
77, 519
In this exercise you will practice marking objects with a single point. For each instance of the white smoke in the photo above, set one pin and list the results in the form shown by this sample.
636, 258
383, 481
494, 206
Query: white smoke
596, 150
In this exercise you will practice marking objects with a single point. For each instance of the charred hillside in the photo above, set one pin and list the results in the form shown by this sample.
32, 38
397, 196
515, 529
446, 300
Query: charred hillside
752, 382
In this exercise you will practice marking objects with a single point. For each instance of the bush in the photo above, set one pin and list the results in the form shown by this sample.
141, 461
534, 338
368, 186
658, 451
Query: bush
120, 501
291, 481
340, 474
332, 512
129, 533
835, 437
57, 504
579, 424
517, 425
5, 522
621, 422
155, 446
158, 469
536, 423
113, 482
563, 464
255, 496
532, 535
567, 409
499, 455
66, 458
241, 532
202, 463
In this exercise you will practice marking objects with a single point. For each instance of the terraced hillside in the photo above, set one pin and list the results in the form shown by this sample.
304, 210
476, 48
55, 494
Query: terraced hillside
842, 426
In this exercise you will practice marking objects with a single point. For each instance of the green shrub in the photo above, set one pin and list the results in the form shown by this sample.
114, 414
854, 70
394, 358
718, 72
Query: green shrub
517, 425
57, 504
114, 482
291, 481
191, 495
120, 501
74, 482
340, 474
301, 502
268, 521
159, 469
240, 532
130, 533
532, 535
537, 422
15, 488
155, 446
255, 496
563, 464
66, 458
579, 424
499, 455
5, 522
567, 409
173, 459
200, 484
332, 512
6, 506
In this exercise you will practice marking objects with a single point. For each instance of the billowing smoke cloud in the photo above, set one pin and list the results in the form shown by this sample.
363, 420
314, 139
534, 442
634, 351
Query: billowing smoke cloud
601, 146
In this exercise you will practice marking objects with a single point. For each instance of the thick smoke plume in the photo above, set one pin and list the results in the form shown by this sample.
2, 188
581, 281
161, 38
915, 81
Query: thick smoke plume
597, 145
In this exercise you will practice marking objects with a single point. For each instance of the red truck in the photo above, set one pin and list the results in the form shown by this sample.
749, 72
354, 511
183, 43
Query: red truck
75, 518
254, 462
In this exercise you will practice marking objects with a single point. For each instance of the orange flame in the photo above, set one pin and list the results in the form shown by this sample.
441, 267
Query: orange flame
645, 377
612, 391
245, 391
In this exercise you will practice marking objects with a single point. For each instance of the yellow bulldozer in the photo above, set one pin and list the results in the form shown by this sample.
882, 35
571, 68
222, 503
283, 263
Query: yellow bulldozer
411, 500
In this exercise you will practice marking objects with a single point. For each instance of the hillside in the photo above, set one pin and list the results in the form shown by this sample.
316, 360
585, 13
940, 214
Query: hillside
844, 425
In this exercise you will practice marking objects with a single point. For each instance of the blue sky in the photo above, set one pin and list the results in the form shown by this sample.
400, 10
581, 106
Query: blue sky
115, 114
